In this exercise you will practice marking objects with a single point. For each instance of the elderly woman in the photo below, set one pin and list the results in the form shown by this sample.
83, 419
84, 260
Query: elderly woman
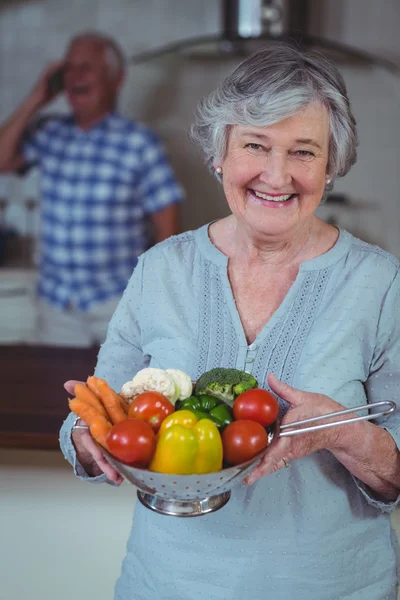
312, 312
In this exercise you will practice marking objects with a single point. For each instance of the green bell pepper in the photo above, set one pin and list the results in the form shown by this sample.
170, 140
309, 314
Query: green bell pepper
208, 402
192, 403
221, 415
208, 407
200, 414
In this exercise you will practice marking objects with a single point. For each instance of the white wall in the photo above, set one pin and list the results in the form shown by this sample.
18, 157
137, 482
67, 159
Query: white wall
61, 538
373, 183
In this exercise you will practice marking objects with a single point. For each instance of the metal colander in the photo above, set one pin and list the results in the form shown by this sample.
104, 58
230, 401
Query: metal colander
195, 495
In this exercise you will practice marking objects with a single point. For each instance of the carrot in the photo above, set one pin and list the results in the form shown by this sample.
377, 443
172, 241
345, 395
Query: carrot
100, 429
93, 384
84, 393
111, 402
84, 410
98, 424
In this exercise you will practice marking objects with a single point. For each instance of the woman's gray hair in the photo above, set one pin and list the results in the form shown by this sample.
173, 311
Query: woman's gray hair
112, 52
271, 85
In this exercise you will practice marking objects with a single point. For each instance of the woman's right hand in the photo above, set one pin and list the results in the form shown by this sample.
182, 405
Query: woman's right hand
88, 453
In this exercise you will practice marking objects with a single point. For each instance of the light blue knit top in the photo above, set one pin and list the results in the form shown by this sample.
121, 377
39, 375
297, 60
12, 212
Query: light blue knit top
312, 532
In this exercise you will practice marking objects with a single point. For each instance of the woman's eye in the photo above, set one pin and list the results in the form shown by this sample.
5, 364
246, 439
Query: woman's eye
254, 146
304, 153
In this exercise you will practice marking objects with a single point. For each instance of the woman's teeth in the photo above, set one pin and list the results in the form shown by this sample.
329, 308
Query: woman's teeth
282, 198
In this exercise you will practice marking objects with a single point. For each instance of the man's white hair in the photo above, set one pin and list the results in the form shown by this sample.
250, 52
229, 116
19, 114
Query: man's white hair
113, 54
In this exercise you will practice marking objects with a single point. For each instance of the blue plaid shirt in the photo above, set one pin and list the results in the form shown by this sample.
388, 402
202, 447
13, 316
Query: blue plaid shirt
97, 187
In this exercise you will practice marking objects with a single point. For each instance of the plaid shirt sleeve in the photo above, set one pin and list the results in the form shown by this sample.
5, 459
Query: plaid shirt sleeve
34, 141
157, 186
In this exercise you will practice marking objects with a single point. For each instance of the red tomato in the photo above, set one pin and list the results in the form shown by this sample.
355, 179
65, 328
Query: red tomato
256, 405
152, 407
132, 442
242, 440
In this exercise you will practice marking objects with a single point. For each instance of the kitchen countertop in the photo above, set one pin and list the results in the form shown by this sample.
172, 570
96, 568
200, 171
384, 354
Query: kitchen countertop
33, 402
18, 306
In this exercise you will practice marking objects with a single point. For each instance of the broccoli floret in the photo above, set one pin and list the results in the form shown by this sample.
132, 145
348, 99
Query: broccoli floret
225, 384
243, 386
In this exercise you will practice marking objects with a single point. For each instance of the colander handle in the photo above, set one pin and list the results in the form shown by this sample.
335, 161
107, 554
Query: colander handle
391, 407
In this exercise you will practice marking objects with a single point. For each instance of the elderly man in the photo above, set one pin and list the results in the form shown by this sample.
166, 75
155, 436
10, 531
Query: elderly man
104, 180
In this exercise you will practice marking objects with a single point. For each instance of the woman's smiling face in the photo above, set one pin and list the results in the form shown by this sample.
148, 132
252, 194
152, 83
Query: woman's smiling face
274, 177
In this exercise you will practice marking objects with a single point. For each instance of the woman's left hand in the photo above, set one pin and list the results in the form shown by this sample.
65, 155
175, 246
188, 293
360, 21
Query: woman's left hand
303, 405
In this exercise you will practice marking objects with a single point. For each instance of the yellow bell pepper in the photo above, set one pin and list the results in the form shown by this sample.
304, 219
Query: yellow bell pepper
186, 446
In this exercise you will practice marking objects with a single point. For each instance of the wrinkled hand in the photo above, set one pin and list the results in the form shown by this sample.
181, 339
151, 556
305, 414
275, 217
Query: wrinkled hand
303, 405
88, 453
40, 92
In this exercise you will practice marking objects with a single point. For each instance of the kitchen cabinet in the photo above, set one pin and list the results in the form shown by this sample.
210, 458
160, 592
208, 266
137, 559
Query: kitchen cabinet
33, 402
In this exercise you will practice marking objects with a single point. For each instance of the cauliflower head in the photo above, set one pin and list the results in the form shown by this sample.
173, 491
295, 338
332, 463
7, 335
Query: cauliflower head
149, 380
183, 383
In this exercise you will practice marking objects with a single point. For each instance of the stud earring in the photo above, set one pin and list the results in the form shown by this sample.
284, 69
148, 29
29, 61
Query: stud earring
218, 170
328, 181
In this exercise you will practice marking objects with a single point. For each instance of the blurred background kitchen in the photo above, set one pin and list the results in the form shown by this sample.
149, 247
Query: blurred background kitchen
61, 538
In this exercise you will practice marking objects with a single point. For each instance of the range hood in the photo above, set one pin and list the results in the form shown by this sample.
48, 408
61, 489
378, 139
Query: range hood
247, 25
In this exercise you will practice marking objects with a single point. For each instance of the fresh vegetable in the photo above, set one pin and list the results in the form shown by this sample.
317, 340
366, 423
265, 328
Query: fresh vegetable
99, 429
242, 440
256, 405
149, 380
183, 383
93, 384
98, 405
133, 442
187, 446
225, 384
84, 393
208, 403
151, 407
157, 380
179, 417
208, 407
205, 403
98, 424
111, 402
221, 415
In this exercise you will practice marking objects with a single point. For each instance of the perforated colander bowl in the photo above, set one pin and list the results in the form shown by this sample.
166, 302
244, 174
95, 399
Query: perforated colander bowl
195, 495
185, 495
